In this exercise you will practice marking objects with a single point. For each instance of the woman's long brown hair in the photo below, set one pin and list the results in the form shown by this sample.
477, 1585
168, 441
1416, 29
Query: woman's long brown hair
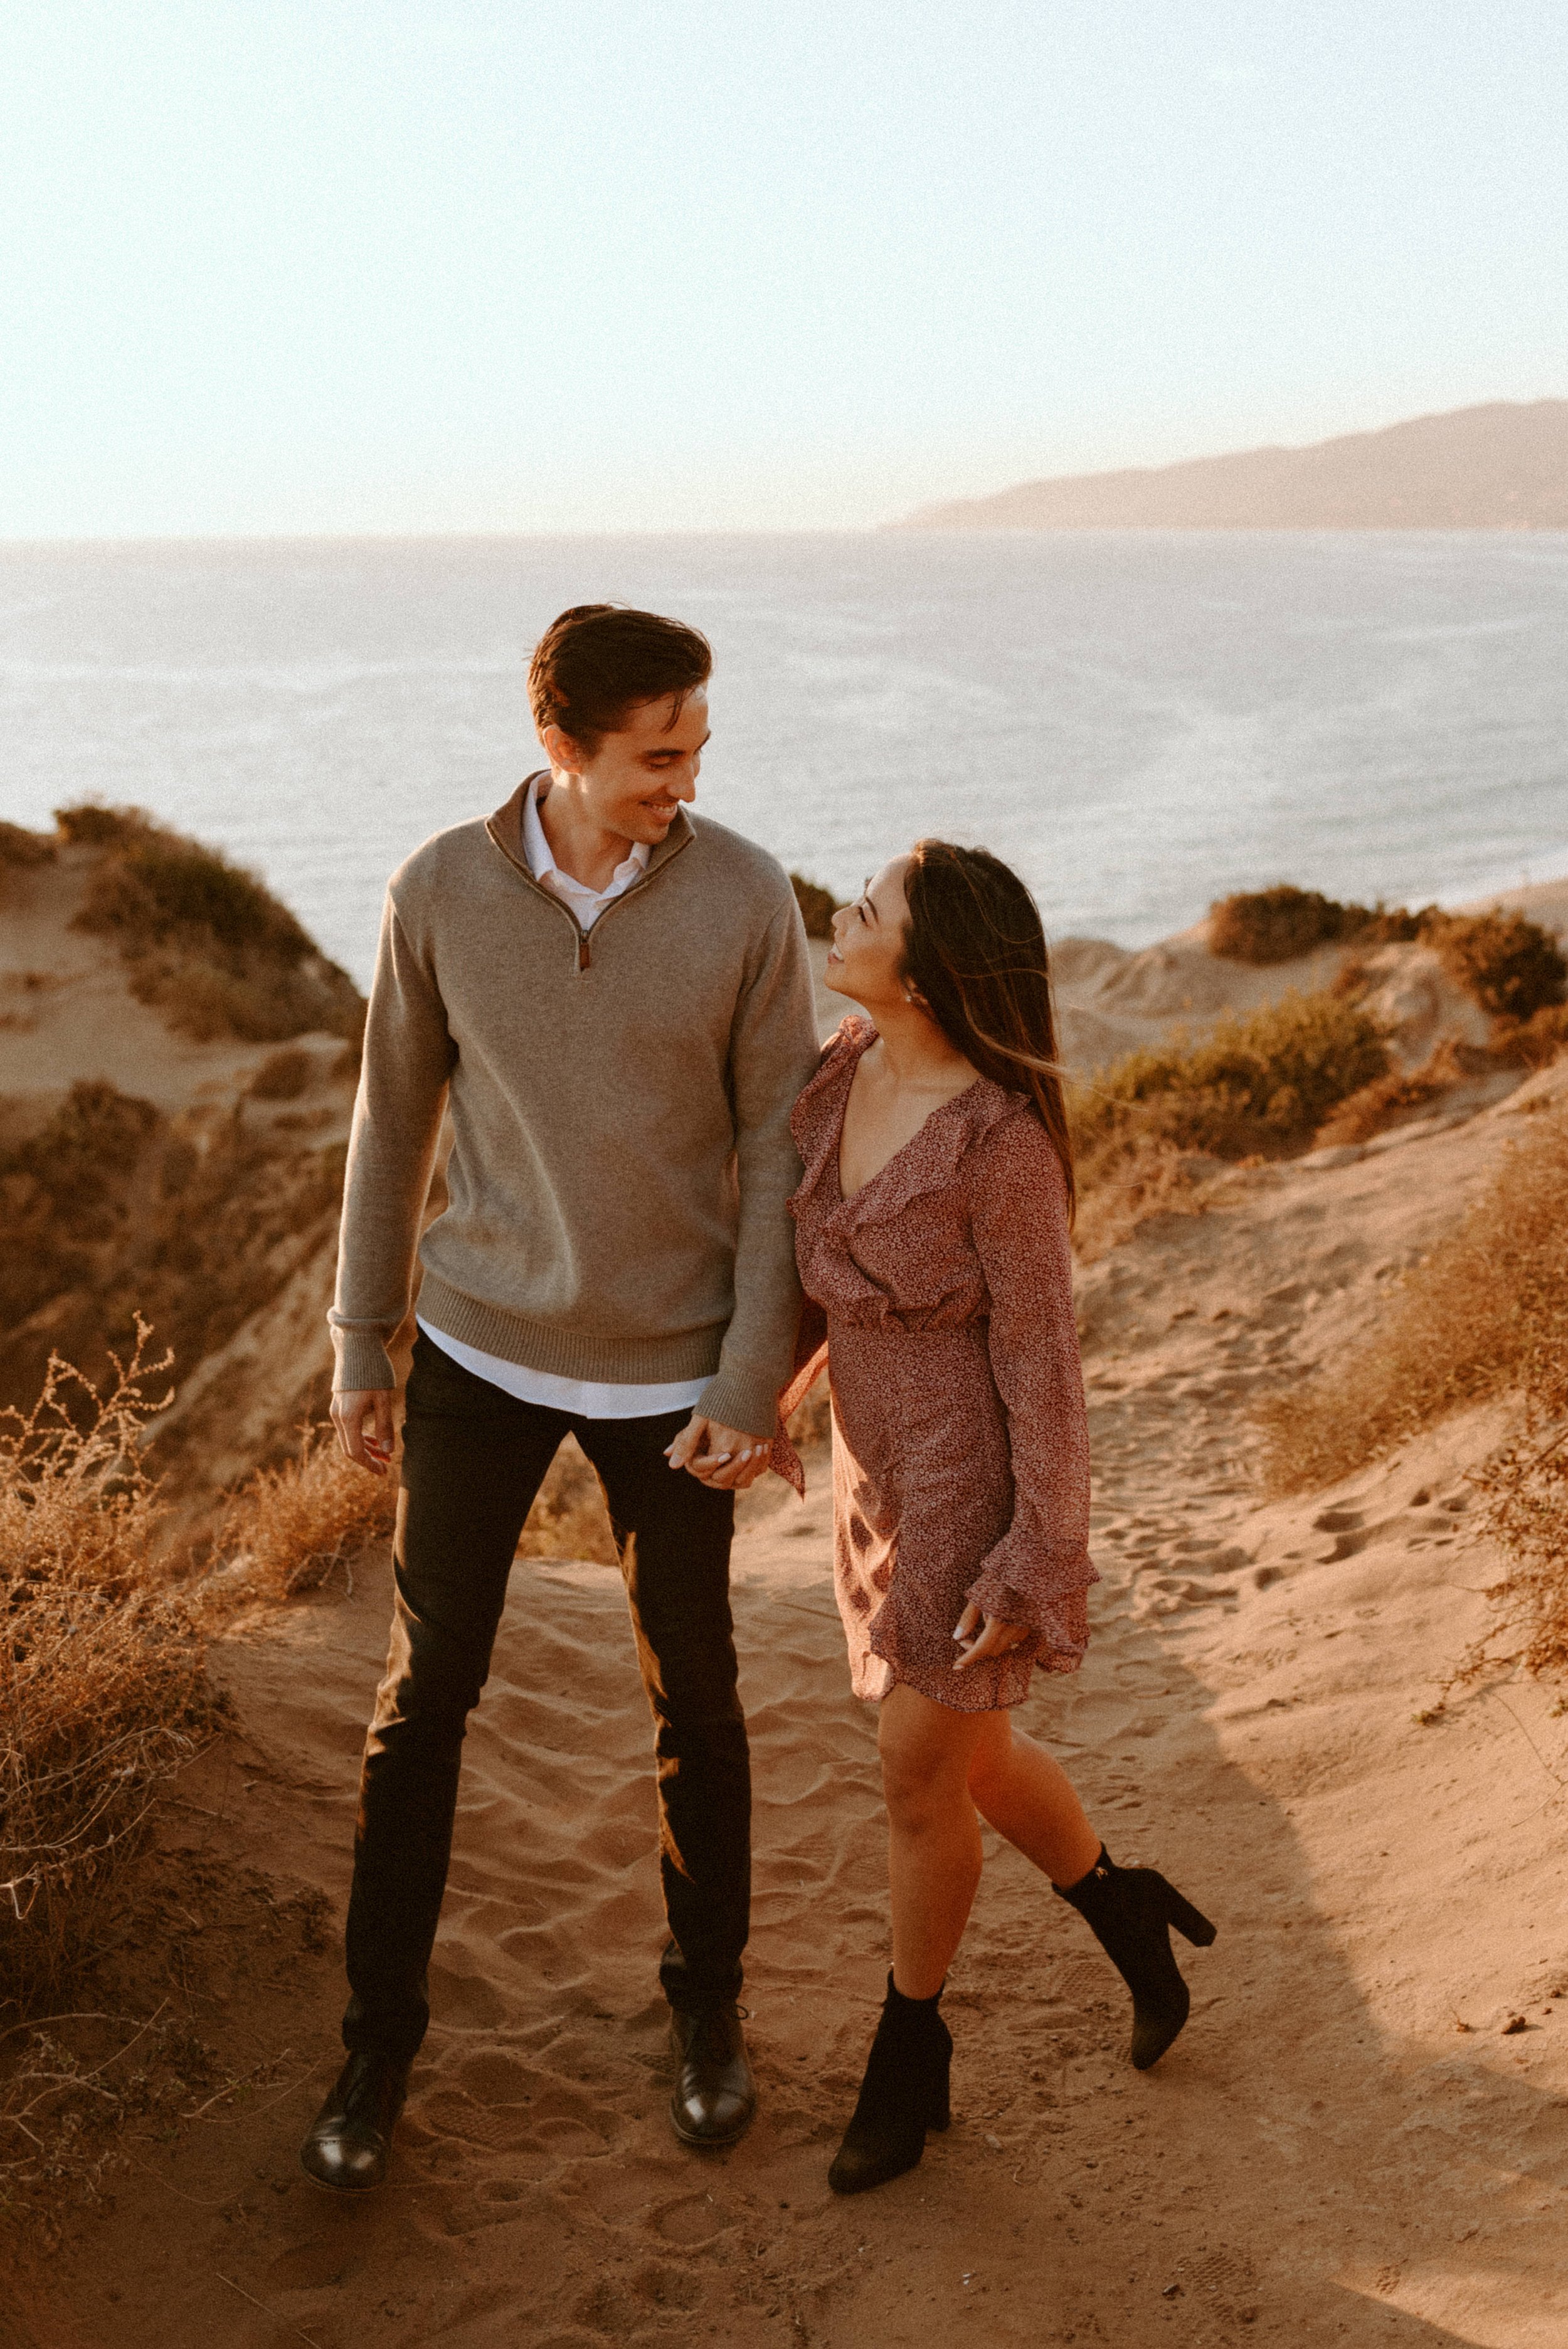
976, 954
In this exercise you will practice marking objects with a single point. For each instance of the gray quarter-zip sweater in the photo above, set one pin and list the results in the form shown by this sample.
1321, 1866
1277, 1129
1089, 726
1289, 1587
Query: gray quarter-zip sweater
620, 1102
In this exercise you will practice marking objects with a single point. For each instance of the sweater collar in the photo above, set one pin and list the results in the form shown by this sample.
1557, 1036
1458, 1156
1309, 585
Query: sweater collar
505, 828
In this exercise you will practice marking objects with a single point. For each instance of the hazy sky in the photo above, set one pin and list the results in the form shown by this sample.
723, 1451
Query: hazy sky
432, 264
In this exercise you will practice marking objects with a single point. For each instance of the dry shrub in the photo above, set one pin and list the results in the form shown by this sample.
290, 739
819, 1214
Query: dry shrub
818, 906
1151, 1178
206, 943
1486, 1311
286, 1529
1535, 1042
1525, 1486
1508, 964
1271, 926
102, 1691
283, 1076
64, 1192
1392, 1099
21, 848
1258, 1087
111, 1207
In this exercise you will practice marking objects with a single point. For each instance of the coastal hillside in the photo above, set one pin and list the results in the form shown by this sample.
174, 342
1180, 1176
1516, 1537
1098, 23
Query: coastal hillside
177, 1072
1503, 466
1357, 2140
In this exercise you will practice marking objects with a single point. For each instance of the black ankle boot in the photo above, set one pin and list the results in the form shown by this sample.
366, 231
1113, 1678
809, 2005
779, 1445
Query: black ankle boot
1129, 1911
904, 2094
351, 2137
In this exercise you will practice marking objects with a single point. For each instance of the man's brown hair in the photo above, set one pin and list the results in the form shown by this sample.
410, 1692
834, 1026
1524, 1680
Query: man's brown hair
599, 661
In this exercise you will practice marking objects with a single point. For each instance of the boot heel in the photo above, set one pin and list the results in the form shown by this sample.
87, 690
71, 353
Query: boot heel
1190, 1922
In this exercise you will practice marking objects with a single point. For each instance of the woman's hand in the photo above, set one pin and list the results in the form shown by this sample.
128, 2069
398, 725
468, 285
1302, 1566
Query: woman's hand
983, 1636
370, 1447
724, 1457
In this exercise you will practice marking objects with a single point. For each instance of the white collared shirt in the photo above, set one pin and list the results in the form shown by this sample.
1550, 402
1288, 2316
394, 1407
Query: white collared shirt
586, 902
586, 1398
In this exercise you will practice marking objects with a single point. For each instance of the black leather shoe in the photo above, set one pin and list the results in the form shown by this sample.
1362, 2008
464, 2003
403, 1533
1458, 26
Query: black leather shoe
714, 2095
351, 2137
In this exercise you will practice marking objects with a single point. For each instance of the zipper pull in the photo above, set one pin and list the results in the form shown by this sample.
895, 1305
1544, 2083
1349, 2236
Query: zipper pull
583, 956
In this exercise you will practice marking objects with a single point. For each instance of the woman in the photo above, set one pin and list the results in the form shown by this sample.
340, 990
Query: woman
932, 1231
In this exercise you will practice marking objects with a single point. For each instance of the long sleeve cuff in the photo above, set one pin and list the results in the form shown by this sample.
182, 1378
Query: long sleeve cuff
363, 1362
740, 1395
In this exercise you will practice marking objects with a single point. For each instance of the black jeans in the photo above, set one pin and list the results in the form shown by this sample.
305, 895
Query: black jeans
473, 1459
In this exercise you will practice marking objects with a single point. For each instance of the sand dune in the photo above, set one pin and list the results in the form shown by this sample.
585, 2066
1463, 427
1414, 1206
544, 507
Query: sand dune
1347, 2144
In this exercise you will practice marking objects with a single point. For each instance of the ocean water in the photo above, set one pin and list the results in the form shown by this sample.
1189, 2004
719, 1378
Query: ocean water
1140, 721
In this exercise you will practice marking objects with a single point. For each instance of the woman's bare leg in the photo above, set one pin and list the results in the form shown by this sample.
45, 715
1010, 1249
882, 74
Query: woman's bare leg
1030, 1799
933, 1836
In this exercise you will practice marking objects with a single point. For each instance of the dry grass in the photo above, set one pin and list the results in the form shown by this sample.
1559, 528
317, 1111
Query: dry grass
1535, 1042
102, 1691
206, 943
288, 1529
1396, 1097
1525, 1486
1485, 1312
1151, 1178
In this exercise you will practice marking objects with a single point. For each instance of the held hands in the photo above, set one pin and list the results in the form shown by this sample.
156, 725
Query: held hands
724, 1457
981, 1636
370, 1447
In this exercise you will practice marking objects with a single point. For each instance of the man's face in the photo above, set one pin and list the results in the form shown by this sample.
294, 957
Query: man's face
634, 782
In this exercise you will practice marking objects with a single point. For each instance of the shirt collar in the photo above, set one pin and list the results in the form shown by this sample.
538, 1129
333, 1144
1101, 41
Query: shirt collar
542, 863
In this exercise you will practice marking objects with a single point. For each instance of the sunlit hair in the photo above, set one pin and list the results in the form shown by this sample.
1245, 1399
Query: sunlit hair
598, 662
976, 955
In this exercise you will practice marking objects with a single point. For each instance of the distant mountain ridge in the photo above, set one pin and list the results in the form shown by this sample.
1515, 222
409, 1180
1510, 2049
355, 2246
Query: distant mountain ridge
1503, 466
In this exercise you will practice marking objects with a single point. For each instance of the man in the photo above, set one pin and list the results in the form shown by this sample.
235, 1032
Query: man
612, 999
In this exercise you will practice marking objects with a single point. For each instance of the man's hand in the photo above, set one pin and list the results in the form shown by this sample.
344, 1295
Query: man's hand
369, 1447
721, 1456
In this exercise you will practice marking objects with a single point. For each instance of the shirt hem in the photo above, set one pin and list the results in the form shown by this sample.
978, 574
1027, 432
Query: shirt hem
569, 1353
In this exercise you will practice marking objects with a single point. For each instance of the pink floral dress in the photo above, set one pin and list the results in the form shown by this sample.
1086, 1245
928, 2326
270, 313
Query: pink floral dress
944, 1304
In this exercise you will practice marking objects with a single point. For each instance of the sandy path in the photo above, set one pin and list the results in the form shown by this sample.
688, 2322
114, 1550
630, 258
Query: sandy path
1325, 2156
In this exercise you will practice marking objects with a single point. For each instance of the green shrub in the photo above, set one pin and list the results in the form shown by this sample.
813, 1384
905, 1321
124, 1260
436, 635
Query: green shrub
1255, 1087
208, 945
818, 906
161, 888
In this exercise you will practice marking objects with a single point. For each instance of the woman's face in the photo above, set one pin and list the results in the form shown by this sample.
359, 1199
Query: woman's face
869, 938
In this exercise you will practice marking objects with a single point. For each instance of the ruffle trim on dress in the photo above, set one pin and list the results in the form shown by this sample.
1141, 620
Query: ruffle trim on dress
929, 1162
